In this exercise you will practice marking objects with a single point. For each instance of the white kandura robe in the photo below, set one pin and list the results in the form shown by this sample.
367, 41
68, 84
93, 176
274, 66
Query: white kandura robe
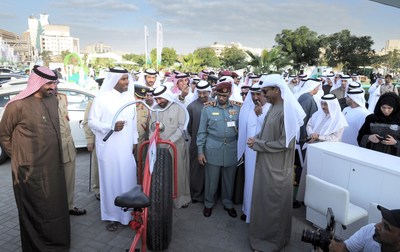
355, 117
174, 119
117, 166
253, 126
374, 94
235, 94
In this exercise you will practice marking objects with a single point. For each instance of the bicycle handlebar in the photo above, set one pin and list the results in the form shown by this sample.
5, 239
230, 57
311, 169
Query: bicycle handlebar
152, 110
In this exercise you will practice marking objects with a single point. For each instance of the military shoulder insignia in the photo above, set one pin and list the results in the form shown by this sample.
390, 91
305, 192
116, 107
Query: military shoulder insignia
236, 103
210, 103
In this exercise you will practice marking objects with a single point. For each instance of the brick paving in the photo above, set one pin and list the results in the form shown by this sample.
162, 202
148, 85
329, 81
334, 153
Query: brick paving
191, 230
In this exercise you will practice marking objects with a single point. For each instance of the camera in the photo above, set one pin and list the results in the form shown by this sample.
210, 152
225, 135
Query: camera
321, 238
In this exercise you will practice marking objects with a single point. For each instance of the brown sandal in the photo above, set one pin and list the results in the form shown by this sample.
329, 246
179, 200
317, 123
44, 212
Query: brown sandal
112, 226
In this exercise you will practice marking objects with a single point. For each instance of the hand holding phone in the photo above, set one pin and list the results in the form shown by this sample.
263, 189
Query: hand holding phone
381, 138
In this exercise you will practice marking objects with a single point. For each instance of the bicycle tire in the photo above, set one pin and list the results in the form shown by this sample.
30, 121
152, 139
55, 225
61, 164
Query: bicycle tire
159, 223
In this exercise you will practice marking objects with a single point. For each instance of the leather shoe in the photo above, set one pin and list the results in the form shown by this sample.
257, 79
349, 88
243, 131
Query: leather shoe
231, 212
207, 212
243, 217
296, 204
77, 211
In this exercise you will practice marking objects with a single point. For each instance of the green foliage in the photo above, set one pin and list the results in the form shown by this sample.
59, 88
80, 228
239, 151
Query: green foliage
233, 58
136, 58
301, 45
188, 63
349, 50
46, 57
102, 63
267, 62
390, 61
168, 57
206, 57
60, 57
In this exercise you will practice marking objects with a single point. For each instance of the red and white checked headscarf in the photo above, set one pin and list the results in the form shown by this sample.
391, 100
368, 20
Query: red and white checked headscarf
39, 76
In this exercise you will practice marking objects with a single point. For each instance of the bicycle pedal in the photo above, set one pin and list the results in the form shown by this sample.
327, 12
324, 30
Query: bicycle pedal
135, 225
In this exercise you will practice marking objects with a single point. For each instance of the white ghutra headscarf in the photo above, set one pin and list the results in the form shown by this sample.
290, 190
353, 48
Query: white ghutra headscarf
293, 112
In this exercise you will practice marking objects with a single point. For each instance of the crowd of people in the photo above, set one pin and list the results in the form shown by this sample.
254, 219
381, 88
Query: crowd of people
255, 120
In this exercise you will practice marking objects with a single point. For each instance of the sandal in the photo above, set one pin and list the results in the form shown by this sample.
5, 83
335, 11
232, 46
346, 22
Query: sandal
77, 211
112, 226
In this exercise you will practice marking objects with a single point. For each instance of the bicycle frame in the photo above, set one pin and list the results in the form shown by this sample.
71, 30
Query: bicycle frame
140, 216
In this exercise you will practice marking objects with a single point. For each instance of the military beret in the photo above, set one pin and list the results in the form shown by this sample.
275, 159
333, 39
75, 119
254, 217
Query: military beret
225, 73
234, 75
223, 87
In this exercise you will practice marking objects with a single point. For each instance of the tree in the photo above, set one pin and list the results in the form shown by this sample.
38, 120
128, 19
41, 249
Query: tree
391, 61
272, 61
102, 63
60, 57
188, 63
300, 45
206, 57
349, 50
137, 58
233, 58
46, 57
168, 57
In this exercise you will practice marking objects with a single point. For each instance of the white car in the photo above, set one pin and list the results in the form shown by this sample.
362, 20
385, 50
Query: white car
77, 96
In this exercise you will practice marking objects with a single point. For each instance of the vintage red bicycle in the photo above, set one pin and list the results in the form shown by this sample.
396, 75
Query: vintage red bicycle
150, 202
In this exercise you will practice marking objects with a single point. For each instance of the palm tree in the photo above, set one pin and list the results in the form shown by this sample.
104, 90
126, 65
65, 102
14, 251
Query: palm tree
269, 61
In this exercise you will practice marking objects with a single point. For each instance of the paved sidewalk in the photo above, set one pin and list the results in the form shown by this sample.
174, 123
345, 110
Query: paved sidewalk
191, 230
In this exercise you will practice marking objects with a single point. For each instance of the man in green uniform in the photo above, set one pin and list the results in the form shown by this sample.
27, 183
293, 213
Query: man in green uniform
217, 147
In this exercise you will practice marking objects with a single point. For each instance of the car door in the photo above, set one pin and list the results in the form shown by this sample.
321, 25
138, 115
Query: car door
77, 101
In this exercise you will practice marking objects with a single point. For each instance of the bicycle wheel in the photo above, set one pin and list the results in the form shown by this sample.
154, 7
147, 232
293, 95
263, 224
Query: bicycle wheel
159, 224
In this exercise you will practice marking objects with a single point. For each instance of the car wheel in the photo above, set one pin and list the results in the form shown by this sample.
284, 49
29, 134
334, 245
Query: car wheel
3, 155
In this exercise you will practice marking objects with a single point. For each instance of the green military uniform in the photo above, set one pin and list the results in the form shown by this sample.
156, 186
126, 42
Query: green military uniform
217, 140
143, 115
90, 139
68, 148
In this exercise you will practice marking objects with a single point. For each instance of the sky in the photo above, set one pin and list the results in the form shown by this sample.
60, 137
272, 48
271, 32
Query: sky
192, 24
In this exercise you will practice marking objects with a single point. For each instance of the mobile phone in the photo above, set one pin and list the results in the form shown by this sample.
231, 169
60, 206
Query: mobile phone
380, 138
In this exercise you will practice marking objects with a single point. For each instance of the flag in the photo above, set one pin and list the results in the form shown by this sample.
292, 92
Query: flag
159, 43
146, 46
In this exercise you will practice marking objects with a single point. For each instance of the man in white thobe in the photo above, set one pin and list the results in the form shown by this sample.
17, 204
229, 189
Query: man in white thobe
251, 118
117, 166
355, 114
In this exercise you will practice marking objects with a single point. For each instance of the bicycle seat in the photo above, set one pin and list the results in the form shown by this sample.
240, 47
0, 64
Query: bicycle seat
134, 198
